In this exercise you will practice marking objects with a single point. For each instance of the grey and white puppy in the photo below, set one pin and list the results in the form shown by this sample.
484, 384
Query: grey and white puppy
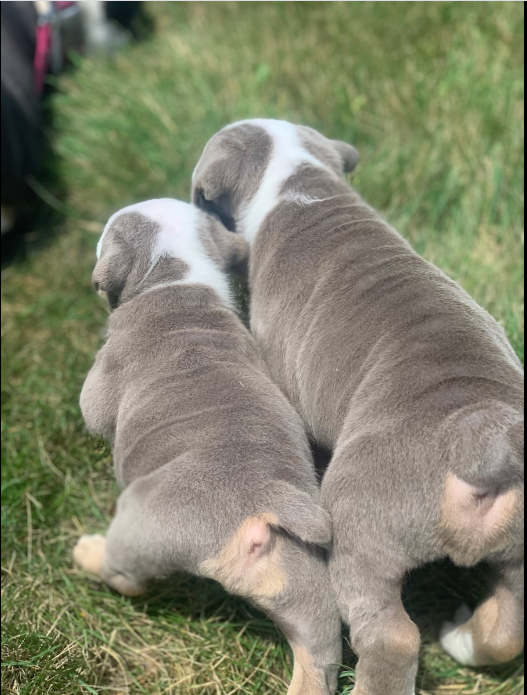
215, 464
395, 368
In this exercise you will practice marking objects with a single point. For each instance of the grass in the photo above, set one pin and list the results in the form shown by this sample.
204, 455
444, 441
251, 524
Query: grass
432, 95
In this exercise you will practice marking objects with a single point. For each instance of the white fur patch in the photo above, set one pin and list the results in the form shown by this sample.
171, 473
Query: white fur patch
457, 640
286, 156
301, 199
179, 238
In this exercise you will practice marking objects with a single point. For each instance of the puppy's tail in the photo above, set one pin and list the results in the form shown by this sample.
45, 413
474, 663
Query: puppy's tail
299, 515
482, 509
248, 564
504, 465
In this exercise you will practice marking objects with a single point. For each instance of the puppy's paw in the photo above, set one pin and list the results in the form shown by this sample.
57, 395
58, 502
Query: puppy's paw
457, 639
89, 553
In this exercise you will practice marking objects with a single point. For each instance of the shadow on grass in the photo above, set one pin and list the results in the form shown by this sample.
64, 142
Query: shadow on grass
204, 600
432, 596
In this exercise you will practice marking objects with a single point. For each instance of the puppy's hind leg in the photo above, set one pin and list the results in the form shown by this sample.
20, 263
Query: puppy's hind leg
495, 634
91, 555
382, 634
132, 552
308, 616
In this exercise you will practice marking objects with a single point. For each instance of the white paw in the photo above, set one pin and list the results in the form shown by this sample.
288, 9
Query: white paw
89, 552
457, 640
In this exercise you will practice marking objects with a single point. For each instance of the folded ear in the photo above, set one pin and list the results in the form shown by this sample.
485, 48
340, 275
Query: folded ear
230, 170
125, 252
348, 155
111, 273
214, 181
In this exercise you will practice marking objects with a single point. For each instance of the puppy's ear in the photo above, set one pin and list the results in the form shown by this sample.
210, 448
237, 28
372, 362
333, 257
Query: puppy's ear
125, 254
348, 155
215, 180
111, 273
230, 170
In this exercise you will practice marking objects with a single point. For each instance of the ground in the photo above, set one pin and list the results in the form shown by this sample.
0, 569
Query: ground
432, 95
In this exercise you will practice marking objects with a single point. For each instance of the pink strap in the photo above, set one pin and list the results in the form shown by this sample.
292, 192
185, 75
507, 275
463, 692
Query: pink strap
42, 49
43, 40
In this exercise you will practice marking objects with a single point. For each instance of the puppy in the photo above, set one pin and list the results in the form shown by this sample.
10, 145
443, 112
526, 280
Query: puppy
390, 364
215, 464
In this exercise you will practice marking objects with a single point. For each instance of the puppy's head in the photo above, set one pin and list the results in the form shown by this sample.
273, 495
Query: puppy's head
245, 157
163, 242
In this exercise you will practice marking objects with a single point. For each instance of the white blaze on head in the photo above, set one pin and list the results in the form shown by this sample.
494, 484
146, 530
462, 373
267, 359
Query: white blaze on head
287, 155
179, 237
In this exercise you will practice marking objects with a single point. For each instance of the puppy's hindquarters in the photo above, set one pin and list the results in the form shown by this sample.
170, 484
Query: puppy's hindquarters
482, 510
134, 550
262, 562
286, 575
387, 521
484, 518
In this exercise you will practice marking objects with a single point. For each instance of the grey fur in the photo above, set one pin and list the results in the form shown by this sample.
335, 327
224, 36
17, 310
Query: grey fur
202, 439
396, 369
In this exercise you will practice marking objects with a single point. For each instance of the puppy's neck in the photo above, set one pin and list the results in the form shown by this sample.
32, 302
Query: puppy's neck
172, 296
288, 155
